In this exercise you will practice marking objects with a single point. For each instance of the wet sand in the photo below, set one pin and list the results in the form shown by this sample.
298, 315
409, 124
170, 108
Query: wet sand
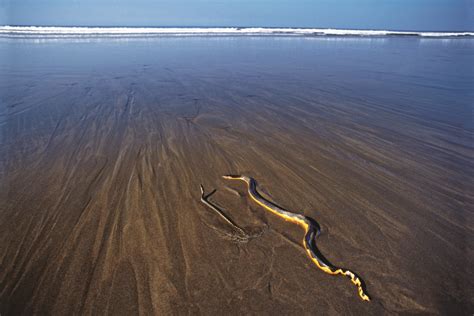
100, 209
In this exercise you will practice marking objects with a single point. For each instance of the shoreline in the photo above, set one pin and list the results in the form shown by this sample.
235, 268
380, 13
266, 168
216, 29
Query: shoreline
218, 31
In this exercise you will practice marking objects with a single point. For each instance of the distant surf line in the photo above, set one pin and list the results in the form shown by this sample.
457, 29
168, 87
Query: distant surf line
73, 31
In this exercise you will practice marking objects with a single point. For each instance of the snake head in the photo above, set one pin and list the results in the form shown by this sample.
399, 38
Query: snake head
246, 179
232, 177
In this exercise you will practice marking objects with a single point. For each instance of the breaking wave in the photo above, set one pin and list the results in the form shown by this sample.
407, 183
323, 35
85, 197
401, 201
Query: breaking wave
53, 31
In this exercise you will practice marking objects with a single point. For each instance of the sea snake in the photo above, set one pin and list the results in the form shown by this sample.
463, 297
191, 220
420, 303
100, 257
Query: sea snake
312, 230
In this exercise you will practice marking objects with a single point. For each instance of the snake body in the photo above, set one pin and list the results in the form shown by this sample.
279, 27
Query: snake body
312, 230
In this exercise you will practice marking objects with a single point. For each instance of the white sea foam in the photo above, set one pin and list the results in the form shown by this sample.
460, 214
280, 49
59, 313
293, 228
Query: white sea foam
22, 31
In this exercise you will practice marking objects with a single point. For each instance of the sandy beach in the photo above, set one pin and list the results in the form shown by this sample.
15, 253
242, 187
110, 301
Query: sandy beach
102, 158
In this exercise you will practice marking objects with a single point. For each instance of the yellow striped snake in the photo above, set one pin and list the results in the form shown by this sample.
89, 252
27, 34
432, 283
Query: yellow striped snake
312, 230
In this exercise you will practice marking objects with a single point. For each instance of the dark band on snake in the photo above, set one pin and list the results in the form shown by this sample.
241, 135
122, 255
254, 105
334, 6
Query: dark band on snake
312, 230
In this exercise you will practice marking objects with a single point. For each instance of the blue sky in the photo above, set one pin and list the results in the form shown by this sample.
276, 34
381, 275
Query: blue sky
441, 15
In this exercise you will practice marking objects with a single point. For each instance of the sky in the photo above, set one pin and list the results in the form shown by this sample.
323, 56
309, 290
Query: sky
420, 15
